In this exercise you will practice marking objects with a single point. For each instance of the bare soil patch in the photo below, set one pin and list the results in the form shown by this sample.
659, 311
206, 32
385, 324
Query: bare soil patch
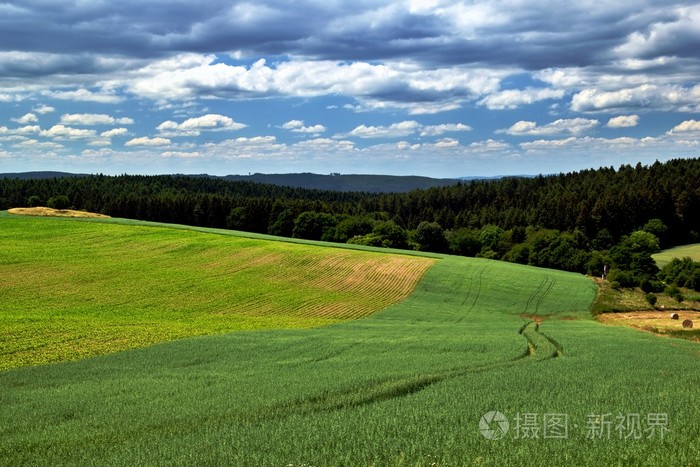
50, 212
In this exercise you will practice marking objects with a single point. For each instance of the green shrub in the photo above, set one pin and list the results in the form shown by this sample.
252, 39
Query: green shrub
651, 298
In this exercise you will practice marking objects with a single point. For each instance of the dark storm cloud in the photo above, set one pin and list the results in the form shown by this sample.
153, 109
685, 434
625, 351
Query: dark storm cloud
530, 35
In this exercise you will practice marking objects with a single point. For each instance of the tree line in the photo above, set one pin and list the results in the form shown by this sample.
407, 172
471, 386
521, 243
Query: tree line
580, 221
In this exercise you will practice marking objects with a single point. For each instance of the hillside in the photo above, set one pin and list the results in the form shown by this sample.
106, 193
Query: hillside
74, 289
397, 387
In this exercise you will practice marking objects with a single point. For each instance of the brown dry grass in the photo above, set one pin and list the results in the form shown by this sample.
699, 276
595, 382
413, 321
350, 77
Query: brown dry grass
50, 212
658, 322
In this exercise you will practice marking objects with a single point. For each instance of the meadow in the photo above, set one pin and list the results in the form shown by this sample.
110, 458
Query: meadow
407, 385
664, 257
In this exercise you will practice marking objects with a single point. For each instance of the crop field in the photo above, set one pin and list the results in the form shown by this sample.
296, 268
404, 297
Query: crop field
74, 289
416, 383
665, 257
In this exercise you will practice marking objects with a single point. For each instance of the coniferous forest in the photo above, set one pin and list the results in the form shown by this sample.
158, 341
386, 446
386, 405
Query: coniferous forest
579, 221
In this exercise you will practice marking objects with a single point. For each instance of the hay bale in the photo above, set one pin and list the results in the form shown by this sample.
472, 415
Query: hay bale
687, 324
674, 315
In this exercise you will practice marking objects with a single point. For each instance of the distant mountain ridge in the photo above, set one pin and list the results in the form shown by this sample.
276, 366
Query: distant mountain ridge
331, 182
349, 182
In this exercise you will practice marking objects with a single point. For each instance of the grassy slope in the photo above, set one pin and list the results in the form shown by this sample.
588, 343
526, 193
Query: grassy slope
405, 386
74, 289
665, 257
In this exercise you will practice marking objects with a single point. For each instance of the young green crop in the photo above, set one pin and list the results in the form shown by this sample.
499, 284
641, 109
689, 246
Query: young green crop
73, 289
405, 386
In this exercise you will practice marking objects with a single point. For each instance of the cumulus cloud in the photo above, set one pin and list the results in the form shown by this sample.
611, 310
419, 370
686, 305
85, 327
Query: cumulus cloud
145, 141
194, 126
43, 109
447, 143
114, 132
590, 144
406, 128
688, 126
395, 130
84, 95
63, 132
375, 86
646, 96
182, 154
26, 119
24, 130
94, 119
297, 126
514, 98
437, 130
561, 126
623, 121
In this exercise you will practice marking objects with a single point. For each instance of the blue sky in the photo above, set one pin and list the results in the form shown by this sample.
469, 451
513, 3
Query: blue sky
421, 87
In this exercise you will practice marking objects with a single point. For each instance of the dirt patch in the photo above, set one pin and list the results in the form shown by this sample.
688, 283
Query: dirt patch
657, 322
49, 212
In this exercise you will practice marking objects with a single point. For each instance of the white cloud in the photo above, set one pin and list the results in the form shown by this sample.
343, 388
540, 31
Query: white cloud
297, 126
84, 95
66, 133
447, 143
489, 145
43, 109
114, 132
514, 98
145, 141
623, 121
590, 144
646, 96
395, 130
561, 126
437, 130
193, 126
24, 130
26, 118
688, 126
293, 124
34, 144
94, 119
388, 85
181, 154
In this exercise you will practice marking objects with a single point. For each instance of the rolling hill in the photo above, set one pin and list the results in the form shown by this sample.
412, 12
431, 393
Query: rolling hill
421, 382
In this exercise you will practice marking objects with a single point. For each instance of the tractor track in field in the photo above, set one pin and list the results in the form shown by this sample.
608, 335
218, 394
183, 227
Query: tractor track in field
540, 347
540, 293
469, 292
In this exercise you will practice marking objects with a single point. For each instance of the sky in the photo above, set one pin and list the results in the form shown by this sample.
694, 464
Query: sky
413, 87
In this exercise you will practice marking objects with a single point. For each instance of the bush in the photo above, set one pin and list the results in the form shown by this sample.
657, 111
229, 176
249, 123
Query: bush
651, 298
58, 202
651, 286
430, 237
621, 278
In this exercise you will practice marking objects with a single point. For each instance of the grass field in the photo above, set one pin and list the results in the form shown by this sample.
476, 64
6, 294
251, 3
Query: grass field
406, 386
665, 257
74, 289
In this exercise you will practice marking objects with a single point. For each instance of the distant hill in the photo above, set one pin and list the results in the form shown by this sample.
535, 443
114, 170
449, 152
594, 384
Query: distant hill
332, 182
39, 175
338, 182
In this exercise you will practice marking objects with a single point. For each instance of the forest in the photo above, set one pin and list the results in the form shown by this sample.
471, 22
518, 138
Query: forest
580, 221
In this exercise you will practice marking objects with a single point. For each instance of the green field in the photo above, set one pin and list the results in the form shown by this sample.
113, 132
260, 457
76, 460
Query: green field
73, 289
405, 386
665, 257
